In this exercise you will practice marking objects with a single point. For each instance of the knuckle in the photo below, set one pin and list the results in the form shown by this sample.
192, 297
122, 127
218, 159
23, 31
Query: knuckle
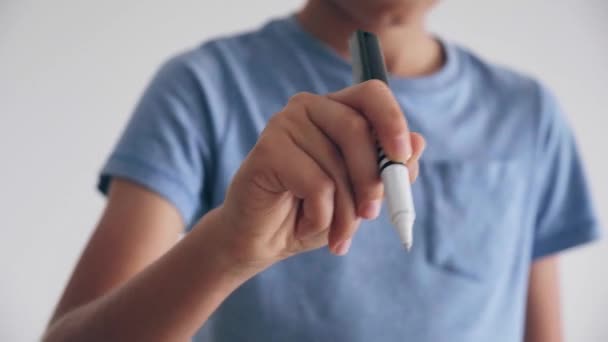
318, 222
265, 145
325, 186
357, 125
297, 106
302, 98
283, 121
378, 87
275, 120
315, 226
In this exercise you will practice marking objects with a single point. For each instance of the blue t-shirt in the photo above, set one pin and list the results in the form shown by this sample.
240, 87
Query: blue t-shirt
500, 185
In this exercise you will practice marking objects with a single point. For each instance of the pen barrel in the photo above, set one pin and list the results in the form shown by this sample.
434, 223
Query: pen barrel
368, 63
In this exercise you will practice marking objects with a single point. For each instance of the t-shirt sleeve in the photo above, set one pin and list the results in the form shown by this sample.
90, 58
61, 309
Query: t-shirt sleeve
163, 146
565, 215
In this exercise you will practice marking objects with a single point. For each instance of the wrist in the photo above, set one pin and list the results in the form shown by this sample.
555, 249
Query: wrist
221, 245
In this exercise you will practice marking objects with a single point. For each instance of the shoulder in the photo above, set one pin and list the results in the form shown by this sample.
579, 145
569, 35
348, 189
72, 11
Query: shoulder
219, 55
521, 96
502, 81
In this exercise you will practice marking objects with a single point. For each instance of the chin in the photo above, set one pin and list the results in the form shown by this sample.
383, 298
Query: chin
374, 15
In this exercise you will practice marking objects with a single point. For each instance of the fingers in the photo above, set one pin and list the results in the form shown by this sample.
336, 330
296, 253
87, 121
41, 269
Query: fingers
351, 133
326, 155
311, 139
376, 102
298, 173
418, 145
339, 138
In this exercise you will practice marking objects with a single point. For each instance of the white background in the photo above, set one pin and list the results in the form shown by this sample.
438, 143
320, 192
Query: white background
70, 72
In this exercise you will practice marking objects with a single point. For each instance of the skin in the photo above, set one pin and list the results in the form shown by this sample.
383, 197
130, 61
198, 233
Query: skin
135, 282
543, 314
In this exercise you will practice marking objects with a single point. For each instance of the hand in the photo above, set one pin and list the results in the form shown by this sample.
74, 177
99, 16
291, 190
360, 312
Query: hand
313, 174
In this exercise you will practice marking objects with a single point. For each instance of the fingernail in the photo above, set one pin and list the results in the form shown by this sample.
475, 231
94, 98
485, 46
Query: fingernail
343, 247
403, 146
371, 210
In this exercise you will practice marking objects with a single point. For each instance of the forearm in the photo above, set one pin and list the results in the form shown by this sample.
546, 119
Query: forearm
543, 313
168, 301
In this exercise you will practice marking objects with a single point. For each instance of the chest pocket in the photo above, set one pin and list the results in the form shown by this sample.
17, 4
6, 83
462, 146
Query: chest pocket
471, 215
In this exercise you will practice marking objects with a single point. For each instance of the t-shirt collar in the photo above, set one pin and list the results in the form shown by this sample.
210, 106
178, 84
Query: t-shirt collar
327, 57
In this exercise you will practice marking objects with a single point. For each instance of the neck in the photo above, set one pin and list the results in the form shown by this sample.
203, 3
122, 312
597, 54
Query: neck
409, 50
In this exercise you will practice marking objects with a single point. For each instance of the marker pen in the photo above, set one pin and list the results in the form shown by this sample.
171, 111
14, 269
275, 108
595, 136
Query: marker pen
368, 64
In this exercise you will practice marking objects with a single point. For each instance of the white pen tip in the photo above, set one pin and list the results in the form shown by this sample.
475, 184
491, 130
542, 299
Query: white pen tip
404, 225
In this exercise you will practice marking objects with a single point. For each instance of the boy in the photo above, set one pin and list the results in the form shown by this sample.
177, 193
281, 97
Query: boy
261, 147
